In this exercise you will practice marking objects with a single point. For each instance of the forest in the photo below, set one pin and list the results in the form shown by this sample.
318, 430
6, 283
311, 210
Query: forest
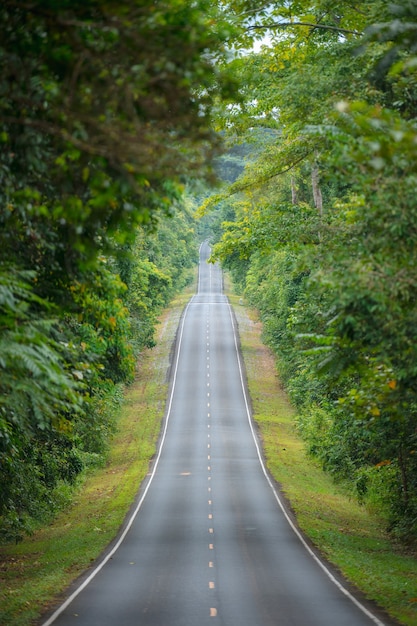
293, 125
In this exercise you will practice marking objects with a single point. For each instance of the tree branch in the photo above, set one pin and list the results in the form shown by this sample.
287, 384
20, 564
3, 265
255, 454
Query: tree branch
256, 182
308, 24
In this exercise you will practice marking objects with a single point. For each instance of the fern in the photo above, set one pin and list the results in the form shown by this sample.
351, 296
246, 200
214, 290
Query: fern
36, 390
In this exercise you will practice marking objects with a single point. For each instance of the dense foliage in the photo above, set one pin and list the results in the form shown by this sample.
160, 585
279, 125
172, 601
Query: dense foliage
320, 229
106, 112
104, 108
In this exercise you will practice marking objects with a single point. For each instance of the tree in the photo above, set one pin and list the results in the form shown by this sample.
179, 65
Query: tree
334, 277
104, 106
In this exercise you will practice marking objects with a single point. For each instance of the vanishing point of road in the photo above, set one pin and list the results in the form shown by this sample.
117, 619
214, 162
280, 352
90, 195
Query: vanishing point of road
210, 543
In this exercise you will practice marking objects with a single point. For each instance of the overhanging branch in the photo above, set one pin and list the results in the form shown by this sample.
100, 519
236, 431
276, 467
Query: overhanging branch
262, 180
312, 25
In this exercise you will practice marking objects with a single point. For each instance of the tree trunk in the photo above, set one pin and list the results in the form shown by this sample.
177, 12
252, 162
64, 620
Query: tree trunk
318, 199
294, 197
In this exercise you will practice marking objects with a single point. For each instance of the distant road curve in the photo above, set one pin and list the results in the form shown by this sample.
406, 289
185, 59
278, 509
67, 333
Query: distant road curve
210, 542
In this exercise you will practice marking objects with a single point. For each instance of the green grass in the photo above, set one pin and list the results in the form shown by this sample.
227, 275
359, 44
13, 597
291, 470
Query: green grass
350, 537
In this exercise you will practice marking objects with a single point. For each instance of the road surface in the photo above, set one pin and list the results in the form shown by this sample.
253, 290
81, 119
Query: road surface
209, 543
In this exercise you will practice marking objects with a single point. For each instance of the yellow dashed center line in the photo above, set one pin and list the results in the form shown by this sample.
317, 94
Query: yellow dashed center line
213, 610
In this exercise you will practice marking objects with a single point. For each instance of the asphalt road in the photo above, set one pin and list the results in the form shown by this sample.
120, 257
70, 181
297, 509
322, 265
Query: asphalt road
209, 542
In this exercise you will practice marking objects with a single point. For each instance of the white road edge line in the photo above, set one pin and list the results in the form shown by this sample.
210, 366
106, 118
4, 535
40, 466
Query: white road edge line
100, 566
130, 521
328, 573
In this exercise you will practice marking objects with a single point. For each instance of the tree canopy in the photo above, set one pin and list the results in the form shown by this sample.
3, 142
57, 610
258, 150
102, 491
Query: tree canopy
319, 229
105, 115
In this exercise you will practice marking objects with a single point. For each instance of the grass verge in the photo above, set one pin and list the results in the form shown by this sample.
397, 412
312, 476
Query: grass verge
33, 572
345, 532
